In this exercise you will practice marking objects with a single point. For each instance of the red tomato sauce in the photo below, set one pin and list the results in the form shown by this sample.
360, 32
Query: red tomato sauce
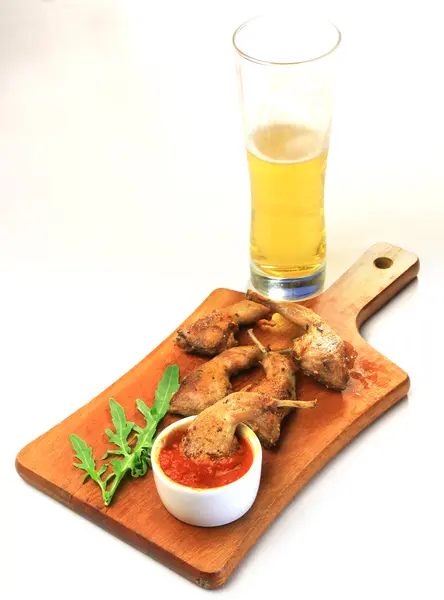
205, 473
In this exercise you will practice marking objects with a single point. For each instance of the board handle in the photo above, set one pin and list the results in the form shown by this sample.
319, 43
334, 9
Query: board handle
373, 280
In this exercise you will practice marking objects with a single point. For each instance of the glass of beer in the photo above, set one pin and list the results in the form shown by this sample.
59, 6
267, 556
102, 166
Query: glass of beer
285, 73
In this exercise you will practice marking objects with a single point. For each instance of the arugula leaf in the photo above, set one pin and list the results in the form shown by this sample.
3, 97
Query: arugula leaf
120, 439
137, 459
87, 463
146, 412
168, 385
165, 389
123, 427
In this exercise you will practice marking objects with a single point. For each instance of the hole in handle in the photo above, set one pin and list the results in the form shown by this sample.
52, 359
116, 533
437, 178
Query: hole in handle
383, 262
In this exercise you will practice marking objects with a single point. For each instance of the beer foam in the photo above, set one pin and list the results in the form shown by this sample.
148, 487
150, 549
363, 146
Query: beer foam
285, 143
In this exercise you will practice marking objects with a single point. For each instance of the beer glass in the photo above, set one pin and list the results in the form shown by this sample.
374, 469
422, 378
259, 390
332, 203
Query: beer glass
284, 65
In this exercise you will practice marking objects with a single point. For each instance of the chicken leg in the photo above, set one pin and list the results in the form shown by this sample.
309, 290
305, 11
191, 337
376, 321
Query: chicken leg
216, 331
212, 433
211, 381
279, 382
320, 352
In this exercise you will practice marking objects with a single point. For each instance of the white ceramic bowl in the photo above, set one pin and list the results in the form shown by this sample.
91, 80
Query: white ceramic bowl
214, 506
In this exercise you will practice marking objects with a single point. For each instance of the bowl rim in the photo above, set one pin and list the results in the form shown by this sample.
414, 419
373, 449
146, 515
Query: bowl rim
244, 431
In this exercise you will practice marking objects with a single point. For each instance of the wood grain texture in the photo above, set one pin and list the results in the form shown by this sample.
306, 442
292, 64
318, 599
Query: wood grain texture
310, 438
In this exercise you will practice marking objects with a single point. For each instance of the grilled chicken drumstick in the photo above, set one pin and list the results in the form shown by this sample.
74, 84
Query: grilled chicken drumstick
279, 382
320, 352
216, 331
212, 433
211, 381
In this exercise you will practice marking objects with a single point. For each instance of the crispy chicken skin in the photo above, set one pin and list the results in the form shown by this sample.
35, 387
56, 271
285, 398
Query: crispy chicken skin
211, 381
216, 331
320, 352
212, 433
279, 382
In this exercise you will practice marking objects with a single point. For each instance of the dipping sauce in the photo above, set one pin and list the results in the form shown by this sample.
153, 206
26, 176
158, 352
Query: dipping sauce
205, 473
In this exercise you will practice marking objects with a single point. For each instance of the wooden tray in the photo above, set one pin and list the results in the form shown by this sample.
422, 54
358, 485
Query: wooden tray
310, 438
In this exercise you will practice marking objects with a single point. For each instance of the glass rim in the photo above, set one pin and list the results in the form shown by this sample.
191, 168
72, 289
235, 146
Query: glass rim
261, 61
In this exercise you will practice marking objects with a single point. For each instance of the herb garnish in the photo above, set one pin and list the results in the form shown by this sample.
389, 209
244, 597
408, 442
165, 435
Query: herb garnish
136, 459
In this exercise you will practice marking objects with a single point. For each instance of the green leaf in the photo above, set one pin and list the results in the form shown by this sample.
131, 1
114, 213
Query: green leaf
140, 467
137, 460
110, 452
168, 385
146, 411
119, 466
102, 469
122, 426
84, 454
165, 389
108, 477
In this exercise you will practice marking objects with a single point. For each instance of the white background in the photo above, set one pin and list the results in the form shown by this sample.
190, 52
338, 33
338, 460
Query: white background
125, 201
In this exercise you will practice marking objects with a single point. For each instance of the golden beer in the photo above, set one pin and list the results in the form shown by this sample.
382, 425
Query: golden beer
287, 164
285, 66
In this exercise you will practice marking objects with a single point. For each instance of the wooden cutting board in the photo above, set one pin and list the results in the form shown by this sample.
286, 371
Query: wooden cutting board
310, 438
